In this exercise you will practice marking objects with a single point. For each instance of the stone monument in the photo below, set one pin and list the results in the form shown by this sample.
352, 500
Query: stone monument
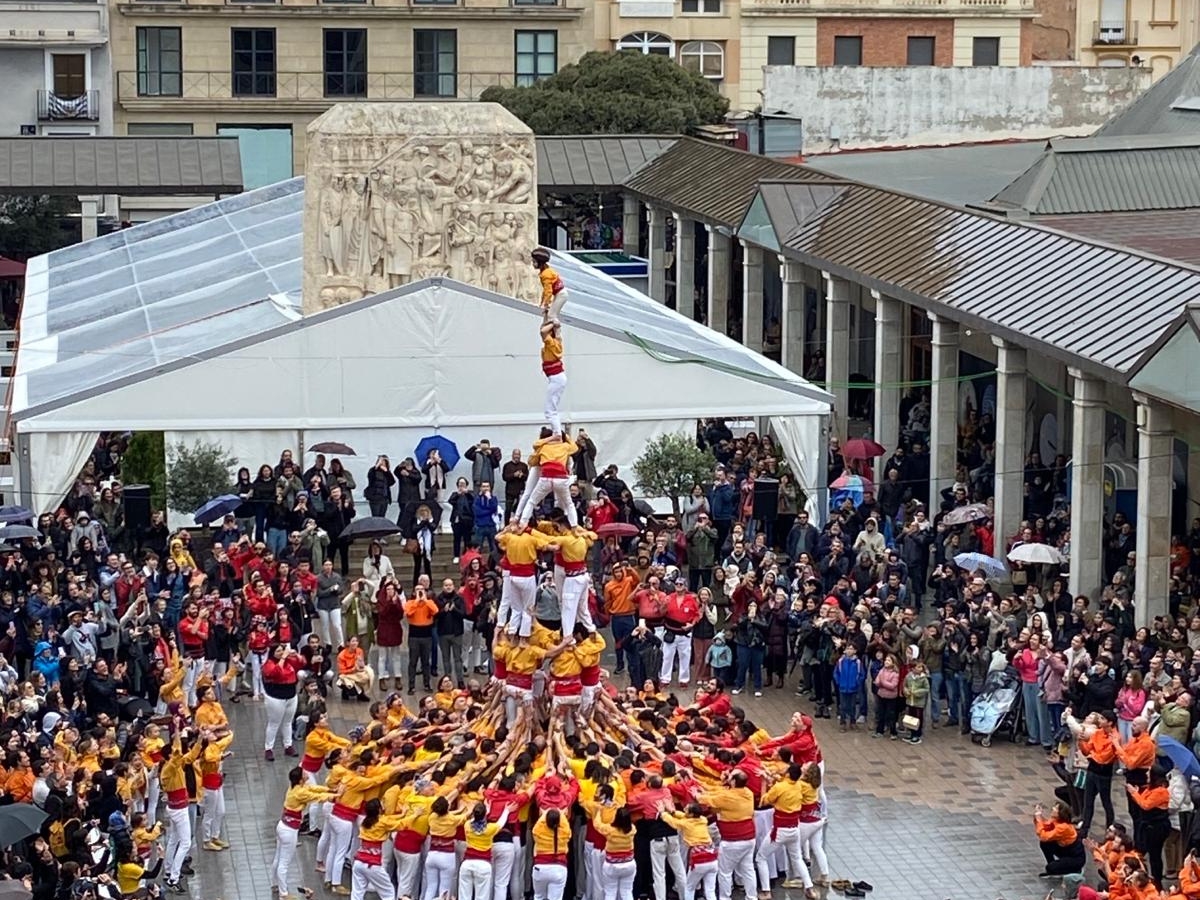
397, 192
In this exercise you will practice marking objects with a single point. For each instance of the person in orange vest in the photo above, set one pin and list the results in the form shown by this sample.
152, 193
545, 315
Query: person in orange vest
420, 612
1153, 799
1059, 840
1096, 743
1137, 756
1189, 880
554, 292
618, 603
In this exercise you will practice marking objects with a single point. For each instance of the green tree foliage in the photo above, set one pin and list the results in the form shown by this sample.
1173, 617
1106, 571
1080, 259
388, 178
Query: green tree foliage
196, 474
615, 93
31, 225
670, 466
145, 462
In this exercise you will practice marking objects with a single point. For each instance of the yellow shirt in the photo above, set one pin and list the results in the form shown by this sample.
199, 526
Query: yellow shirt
522, 548
171, 778
565, 665
555, 455
788, 796
549, 841
574, 547
383, 826
359, 787
551, 284
730, 804
321, 742
552, 349
210, 715
693, 829
589, 649
129, 877
524, 660
446, 826
482, 839
301, 795
617, 841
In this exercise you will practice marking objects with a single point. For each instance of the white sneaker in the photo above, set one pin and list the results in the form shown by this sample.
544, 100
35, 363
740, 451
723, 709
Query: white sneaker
758, 693
455, 560
736, 691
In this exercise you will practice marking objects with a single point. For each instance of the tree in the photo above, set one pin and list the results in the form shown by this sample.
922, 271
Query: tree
670, 466
196, 474
145, 462
31, 225
615, 93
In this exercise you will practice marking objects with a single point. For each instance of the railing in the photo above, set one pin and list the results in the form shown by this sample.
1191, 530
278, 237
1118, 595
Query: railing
946, 5
646, 9
192, 86
52, 107
1114, 34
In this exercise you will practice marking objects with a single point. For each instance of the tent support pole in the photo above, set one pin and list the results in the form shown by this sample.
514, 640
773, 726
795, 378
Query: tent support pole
24, 479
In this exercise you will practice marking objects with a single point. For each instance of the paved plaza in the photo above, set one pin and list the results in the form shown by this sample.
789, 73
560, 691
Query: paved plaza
945, 820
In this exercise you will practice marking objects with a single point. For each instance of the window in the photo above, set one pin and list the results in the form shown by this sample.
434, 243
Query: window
535, 2
435, 62
985, 51
345, 62
159, 63
159, 129
266, 152
847, 51
536, 55
704, 58
647, 42
701, 6
253, 62
920, 51
70, 74
435, 2
781, 51
1111, 27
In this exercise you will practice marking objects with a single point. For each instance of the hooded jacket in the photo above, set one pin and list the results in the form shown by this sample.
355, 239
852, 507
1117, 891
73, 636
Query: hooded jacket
47, 665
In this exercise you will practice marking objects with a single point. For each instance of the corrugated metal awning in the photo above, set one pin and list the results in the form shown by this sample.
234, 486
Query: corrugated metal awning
120, 165
595, 162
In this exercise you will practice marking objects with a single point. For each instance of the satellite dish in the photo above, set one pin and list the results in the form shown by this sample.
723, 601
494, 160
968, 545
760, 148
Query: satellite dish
1048, 445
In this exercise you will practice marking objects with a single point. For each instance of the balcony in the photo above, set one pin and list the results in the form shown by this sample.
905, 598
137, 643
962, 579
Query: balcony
195, 90
1114, 34
891, 7
54, 107
646, 9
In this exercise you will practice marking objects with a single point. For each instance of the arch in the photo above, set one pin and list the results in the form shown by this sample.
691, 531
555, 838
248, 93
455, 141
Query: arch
1112, 61
648, 42
705, 58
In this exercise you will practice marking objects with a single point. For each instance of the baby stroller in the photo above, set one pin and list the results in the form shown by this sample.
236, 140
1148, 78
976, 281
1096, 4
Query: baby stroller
998, 708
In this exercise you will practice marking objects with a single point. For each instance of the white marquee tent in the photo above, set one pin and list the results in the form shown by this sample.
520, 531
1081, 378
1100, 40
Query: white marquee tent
191, 325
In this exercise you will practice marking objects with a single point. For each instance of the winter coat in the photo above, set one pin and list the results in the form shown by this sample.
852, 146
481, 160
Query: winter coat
379, 485
916, 689
389, 628
849, 675
723, 501
777, 631
701, 546
887, 683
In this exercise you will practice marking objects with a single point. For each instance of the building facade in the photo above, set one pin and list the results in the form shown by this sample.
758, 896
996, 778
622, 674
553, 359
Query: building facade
263, 70
1151, 33
55, 68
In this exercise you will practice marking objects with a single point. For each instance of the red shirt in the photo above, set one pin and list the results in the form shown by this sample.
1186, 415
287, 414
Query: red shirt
683, 610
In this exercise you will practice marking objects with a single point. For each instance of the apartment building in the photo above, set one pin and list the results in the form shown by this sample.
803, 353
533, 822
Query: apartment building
55, 68
1151, 33
263, 69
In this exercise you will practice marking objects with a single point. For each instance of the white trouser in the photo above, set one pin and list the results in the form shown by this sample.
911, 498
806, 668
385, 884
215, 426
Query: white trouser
678, 649
329, 627
326, 834
556, 385
788, 840
439, 873
179, 841
152, 793
522, 591
191, 670
279, 718
285, 850
391, 662
812, 834
508, 874
594, 863
664, 852
574, 603
504, 612
561, 488
214, 812
618, 880
470, 647
341, 834
556, 305
735, 857
535, 474
371, 878
706, 874
475, 879
408, 874
256, 666
549, 881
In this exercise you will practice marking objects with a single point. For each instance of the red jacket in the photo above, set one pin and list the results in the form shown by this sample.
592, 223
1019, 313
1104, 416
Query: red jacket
389, 624
603, 514
802, 744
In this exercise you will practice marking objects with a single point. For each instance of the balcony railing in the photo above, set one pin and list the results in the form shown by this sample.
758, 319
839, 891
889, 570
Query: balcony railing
53, 107
303, 87
968, 6
1114, 34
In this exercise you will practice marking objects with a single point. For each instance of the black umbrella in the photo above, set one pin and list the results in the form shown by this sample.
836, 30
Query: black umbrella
133, 707
11, 889
18, 821
370, 527
333, 447
16, 514
18, 532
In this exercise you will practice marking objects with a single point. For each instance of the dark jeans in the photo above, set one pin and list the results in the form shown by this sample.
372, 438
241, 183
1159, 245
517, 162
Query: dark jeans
462, 535
1154, 833
622, 627
887, 710
1096, 786
421, 565
342, 549
378, 507
749, 662
823, 683
485, 537
420, 648
847, 706
698, 577
1061, 860
956, 696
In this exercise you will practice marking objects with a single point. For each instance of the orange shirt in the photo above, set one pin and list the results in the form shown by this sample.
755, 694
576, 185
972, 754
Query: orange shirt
1099, 748
618, 595
419, 611
1152, 797
20, 785
1055, 832
348, 660
1139, 753
1189, 881
552, 285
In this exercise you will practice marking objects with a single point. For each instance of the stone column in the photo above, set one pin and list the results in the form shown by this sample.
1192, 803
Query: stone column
752, 297
792, 327
685, 266
631, 224
89, 217
1156, 452
837, 348
720, 252
1087, 484
889, 368
1012, 390
657, 253
943, 405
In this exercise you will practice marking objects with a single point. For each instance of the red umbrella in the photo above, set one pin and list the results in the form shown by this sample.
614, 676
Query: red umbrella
332, 447
10, 268
618, 529
862, 448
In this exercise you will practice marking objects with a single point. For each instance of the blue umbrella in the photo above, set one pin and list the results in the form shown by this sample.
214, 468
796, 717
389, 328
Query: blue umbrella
443, 445
1181, 756
216, 508
9, 514
992, 568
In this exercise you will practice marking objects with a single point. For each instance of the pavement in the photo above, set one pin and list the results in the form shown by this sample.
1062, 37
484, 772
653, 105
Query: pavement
943, 820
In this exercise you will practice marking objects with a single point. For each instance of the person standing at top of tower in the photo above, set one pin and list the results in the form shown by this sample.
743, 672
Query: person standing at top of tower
554, 292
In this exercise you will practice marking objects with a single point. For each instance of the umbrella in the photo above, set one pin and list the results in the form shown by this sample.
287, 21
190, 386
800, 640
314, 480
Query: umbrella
370, 527
12, 889
215, 508
16, 514
618, 529
1181, 756
134, 707
18, 821
847, 487
992, 567
961, 515
18, 532
332, 447
643, 507
862, 448
443, 445
1031, 553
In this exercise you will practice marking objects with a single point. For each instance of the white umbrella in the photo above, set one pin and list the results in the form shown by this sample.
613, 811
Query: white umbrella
1035, 554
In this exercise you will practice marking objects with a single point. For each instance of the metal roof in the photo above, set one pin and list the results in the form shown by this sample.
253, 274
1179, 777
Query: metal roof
595, 161
120, 165
790, 204
712, 182
1171, 106
1110, 174
1087, 303
1169, 233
